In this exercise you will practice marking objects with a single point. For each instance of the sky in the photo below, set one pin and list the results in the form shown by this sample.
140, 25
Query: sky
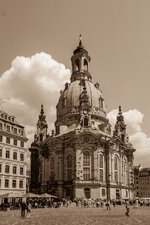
37, 41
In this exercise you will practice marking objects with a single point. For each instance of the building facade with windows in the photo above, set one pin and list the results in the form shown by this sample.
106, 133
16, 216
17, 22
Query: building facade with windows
13, 153
142, 182
82, 157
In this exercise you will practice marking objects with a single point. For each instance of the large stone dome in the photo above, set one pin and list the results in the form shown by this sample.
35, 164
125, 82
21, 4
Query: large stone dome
80, 98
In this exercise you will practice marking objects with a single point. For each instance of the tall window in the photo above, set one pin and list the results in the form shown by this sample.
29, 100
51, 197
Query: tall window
21, 157
101, 101
86, 122
1, 138
7, 140
21, 171
15, 130
86, 165
15, 155
15, 142
0, 183
8, 128
0, 153
14, 183
14, 169
22, 144
124, 169
52, 168
69, 167
116, 178
103, 192
7, 155
0, 168
101, 167
21, 184
85, 65
6, 183
1, 126
7, 169
77, 65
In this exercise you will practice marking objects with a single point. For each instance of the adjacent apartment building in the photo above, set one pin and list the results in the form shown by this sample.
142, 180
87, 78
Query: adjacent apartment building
142, 182
13, 155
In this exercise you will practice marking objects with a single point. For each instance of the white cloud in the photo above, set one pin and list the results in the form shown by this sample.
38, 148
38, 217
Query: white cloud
141, 142
30, 82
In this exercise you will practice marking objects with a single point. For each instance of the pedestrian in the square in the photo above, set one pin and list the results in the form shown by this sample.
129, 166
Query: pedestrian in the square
23, 208
28, 210
127, 209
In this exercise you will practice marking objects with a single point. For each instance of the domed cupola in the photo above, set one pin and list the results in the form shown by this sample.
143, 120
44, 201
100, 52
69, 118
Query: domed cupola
80, 63
81, 103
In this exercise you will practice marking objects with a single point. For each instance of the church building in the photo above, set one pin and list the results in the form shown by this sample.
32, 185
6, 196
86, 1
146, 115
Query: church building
82, 157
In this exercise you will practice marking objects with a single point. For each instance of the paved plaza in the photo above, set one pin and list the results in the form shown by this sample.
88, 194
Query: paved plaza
78, 215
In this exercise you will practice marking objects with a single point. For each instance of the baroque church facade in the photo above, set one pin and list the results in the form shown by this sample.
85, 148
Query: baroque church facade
82, 158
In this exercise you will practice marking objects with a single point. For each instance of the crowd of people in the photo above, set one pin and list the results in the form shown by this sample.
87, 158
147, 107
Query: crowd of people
27, 205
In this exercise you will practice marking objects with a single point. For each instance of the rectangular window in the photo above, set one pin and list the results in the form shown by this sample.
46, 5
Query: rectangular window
21, 157
0, 168
7, 169
15, 155
6, 183
101, 175
86, 173
0, 153
1, 138
15, 142
22, 144
7, 155
7, 140
103, 192
8, 128
14, 169
21, 170
0, 183
21, 132
21, 184
14, 183
15, 130
1, 126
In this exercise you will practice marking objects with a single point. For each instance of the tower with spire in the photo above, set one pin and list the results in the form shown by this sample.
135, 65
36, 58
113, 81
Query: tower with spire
42, 127
120, 127
39, 137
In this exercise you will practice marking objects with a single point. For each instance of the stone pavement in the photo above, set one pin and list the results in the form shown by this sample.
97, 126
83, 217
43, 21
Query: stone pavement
78, 215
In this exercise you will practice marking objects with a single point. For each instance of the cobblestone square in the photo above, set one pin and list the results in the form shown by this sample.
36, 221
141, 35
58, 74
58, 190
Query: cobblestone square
78, 215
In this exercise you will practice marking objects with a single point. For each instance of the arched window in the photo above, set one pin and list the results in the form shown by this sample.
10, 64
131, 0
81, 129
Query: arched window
86, 165
69, 167
116, 178
101, 167
52, 168
85, 65
77, 65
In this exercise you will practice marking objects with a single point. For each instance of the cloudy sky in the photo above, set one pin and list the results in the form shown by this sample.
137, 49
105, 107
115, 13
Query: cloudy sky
37, 40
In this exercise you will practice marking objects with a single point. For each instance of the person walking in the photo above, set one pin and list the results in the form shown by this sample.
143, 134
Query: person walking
23, 208
127, 209
28, 210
